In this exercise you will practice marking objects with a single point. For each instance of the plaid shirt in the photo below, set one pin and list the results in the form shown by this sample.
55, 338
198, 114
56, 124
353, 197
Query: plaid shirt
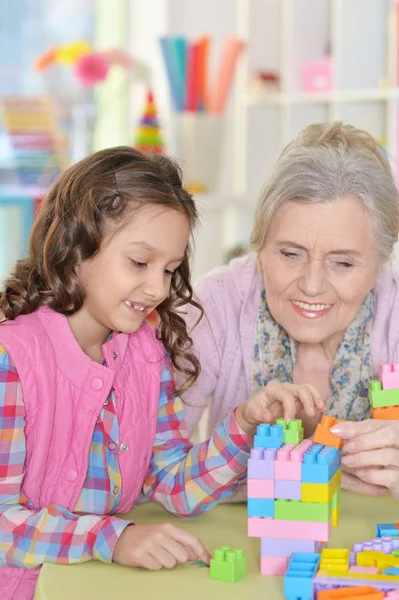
186, 480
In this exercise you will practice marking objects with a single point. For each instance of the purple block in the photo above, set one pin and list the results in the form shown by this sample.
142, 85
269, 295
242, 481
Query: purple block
287, 490
328, 583
284, 548
261, 463
385, 544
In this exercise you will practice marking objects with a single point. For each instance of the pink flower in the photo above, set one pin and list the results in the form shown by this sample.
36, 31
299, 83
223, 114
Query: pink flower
119, 57
91, 68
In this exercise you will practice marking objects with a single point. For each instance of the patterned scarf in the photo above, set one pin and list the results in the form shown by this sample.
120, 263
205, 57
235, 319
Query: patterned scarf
274, 357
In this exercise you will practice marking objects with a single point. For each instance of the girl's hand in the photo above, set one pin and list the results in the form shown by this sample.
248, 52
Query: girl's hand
158, 546
278, 400
371, 452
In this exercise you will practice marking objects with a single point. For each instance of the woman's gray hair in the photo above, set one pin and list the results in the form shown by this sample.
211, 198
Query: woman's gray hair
327, 161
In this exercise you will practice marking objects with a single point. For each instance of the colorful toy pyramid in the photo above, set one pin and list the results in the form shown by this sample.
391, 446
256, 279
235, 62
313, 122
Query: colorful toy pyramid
293, 491
148, 136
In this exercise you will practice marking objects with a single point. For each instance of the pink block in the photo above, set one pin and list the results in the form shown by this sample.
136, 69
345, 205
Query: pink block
390, 376
360, 569
294, 530
260, 488
273, 565
289, 460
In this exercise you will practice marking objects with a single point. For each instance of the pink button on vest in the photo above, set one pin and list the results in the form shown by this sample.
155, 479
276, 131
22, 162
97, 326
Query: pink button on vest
52, 369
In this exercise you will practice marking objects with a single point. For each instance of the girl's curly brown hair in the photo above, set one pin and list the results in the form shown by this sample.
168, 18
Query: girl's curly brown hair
98, 192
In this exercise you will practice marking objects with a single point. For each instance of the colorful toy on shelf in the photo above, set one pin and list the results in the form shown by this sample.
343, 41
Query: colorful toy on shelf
228, 564
148, 137
293, 491
384, 393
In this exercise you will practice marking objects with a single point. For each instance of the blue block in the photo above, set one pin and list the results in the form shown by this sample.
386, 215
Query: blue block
269, 436
320, 463
386, 529
298, 580
391, 571
260, 507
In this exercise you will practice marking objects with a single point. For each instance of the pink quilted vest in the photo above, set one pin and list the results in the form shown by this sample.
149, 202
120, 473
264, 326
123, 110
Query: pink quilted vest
63, 392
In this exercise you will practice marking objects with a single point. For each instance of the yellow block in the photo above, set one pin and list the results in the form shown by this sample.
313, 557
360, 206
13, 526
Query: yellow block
336, 516
349, 575
321, 492
337, 559
372, 558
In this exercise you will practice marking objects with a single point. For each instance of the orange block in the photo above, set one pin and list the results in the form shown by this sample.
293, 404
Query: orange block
389, 413
362, 592
323, 435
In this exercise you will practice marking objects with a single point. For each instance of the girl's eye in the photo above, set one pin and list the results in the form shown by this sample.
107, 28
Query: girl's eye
170, 273
138, 264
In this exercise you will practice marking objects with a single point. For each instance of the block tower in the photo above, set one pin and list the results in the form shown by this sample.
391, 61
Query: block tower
293, 490
148, 138
384, 393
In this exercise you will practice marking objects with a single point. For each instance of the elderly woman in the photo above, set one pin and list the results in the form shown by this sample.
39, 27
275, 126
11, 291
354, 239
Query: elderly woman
312, 304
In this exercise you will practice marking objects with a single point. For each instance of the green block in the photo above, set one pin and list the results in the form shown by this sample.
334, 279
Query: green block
295, 510
336, 499
228, 564
382, 398
293, 431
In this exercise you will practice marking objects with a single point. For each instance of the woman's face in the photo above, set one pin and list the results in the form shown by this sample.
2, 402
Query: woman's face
319, 262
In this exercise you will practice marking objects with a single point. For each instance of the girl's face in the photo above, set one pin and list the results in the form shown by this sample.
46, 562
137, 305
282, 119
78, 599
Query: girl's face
131, 275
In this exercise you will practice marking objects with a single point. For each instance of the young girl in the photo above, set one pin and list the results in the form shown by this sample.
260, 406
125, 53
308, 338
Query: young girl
89, 413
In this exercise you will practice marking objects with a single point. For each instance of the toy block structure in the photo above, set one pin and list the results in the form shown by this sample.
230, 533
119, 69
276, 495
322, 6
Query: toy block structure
148, 137
384, 393
228, 564
293, 492
370, 571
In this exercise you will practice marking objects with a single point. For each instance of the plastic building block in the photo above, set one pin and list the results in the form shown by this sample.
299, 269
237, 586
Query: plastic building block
391, 571
336, 516
261, 488
287, 490
261, 463
228, 564
295, 510
298, 581
321, 492
336, 499
260, 507
373, 558
386, 544
392, 595
380, 398
391, 529
269, 436
323, 435
328, 580
320, 464
273, 565
294, 530
337, 559
293, 431
359, 569
285, 548
289, 459
386, 414
364, 592
389, 375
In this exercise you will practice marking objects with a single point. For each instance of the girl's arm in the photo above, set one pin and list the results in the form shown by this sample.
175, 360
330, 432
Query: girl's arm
189, 479
30, 537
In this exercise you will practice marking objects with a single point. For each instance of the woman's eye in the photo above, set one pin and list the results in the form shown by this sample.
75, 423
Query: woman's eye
344, 264
288, 254
138, 264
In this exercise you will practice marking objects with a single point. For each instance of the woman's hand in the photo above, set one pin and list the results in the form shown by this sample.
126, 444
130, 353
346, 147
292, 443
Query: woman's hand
371, 454
277, 400
158, 546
